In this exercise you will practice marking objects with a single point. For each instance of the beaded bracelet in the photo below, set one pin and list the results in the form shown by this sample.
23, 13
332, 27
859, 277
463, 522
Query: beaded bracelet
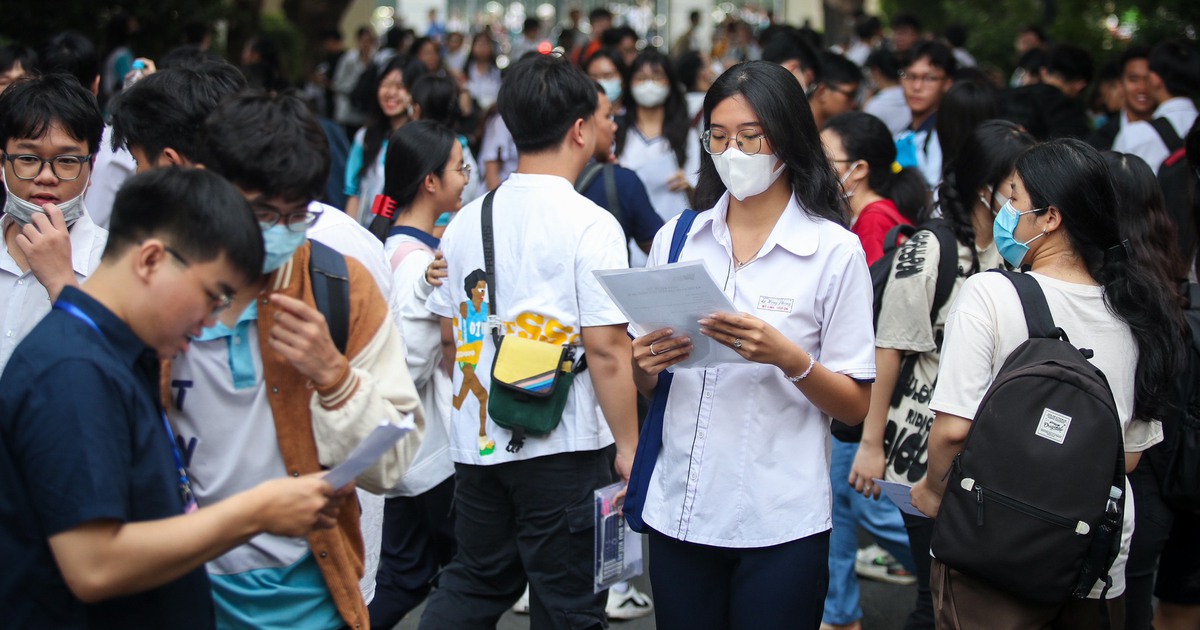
803, 375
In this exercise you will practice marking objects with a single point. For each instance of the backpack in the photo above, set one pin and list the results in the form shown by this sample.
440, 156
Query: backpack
1180, 480
331, 290
881, 272
589, 174
1033, 504
1175, 179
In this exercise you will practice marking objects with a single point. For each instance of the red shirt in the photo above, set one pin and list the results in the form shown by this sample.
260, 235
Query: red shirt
873, 224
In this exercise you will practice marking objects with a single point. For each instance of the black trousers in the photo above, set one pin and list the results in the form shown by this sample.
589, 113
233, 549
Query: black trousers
418, 540
698, 587
531, 518
920, 535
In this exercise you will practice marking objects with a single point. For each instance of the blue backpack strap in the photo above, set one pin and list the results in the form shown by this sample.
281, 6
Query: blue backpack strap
331, 291
650, 442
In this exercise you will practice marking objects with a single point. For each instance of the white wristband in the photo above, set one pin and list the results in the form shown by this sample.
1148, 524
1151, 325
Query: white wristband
803, 375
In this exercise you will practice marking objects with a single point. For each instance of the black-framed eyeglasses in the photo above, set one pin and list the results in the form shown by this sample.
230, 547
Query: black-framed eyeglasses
294, 221
748, 141
221, 301
65, 167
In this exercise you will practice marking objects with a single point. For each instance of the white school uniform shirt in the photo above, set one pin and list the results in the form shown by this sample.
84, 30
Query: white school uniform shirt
654, 162
1140, 138
889, 106
986, 324
497, 146
23, 300
110, 170
549, 239
745, 457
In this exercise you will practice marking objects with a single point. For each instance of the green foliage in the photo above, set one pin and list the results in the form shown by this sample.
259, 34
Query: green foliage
291, 44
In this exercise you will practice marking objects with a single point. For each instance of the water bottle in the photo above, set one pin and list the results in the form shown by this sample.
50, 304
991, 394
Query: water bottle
135, 75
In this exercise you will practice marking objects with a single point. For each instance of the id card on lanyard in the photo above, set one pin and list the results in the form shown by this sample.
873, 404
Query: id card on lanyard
185, 484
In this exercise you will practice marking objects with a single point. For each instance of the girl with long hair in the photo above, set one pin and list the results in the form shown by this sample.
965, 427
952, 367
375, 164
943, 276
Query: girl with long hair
390, 109
737, 502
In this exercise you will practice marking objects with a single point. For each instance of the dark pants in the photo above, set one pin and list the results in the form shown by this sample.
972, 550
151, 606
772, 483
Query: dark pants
920, 534
698, 587
531, 518
418, 540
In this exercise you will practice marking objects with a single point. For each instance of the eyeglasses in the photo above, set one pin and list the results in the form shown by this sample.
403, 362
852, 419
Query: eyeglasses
65, 167
465, 169
927, 79
848, 93
220, 301
294, 221
748, 141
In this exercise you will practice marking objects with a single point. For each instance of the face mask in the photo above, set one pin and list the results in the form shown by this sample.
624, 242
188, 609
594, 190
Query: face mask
612, 89
280, 244
650, 93
22, 211
846, 194
747, 175
1004, 229
998, 200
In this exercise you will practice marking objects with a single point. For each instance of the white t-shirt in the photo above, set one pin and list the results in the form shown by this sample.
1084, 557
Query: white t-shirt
549, 239
498, 146
745, 456
904, 325
987, 323
1141, 139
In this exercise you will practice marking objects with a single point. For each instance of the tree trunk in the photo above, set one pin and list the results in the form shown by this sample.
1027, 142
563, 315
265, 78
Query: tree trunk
310, 17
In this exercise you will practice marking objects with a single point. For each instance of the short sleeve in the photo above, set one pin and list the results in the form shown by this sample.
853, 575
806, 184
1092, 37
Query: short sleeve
601, 247
968, 349
904, 320
75, 451
847, 338
1141, 435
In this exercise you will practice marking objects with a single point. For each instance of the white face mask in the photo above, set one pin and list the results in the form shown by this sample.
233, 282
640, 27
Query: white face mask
650, 93
998, 201
846, 194
747, 175
22, 211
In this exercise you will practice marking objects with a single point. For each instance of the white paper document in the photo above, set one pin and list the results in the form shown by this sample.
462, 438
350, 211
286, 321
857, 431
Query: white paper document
900, 494
672, 296
367, 453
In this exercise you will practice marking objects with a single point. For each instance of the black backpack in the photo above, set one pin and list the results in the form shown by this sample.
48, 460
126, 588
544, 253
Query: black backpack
881, 272
1175, 179
1033, 502
1180, 477
331, 290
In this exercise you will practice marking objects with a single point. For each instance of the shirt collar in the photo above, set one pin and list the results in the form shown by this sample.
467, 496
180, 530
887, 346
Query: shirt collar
926, 126
84, 233
537, 180
427, 239
219, 330
795, 231
127, 345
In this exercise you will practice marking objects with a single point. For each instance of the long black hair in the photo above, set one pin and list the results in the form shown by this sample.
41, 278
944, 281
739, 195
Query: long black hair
866, 138
788, 124
1143, 219
966, 104
987, 157
676, 123
378, 124
1072, 176
414, 151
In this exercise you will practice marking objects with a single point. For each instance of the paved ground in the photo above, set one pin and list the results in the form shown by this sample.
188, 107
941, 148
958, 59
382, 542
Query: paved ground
884, 607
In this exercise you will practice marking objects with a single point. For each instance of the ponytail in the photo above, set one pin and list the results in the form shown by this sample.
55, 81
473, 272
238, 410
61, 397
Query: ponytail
907, 189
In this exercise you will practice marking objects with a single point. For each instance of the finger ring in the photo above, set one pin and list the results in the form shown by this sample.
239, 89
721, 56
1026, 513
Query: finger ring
652, 352
737, 344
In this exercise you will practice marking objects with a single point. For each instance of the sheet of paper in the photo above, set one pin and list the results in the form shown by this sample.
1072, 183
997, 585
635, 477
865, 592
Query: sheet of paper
367, 453
900, 494
672, 296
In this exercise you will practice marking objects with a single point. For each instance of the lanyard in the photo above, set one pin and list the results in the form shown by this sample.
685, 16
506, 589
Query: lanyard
185, 484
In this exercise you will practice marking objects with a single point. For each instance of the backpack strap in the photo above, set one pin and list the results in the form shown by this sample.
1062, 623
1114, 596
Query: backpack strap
587, 176
650, 442
1167, 132
331, 290
402, 252
610, 191
1038, 319
947, 264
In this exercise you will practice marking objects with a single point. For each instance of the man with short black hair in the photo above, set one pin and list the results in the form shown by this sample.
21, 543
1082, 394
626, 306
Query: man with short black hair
1174, 79
1052, 107
525, 511
906, 33
72, 53
50, 130
98, 528
837, 90
15, 62
788, 47
1134, 81
927, 75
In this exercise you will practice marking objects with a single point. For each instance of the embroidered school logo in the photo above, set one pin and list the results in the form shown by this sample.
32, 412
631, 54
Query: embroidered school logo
779, 305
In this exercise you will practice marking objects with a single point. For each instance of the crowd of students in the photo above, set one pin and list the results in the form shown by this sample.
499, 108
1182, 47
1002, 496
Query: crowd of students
240, 283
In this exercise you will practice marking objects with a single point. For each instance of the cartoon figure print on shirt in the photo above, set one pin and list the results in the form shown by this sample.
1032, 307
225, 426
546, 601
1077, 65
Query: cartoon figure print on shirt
472, 327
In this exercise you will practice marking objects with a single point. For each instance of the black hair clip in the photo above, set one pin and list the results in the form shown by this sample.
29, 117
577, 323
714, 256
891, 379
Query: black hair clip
1117, 253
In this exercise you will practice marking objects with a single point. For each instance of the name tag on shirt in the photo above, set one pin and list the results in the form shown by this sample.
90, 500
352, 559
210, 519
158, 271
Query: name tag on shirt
779, 305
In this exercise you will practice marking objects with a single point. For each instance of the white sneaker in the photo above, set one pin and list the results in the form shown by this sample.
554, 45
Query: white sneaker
522, 605
631, 604
875, 563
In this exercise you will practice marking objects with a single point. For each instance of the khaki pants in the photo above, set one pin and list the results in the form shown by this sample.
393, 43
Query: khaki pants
961, 602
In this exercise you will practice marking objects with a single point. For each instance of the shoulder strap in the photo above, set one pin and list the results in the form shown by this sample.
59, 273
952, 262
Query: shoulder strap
1038, 319
402, 252
682, 226
610, 191
947, 265
331, 290
1167, 132
489, 263
587, 176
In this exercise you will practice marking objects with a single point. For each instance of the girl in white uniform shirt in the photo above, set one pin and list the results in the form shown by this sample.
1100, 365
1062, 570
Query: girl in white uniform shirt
738, 503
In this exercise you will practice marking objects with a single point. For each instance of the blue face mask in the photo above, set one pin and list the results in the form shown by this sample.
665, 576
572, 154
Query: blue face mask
1003, 230
280, 244
612, 89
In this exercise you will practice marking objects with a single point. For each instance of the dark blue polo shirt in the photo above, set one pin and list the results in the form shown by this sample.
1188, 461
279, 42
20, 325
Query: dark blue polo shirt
82, 439
637, 216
